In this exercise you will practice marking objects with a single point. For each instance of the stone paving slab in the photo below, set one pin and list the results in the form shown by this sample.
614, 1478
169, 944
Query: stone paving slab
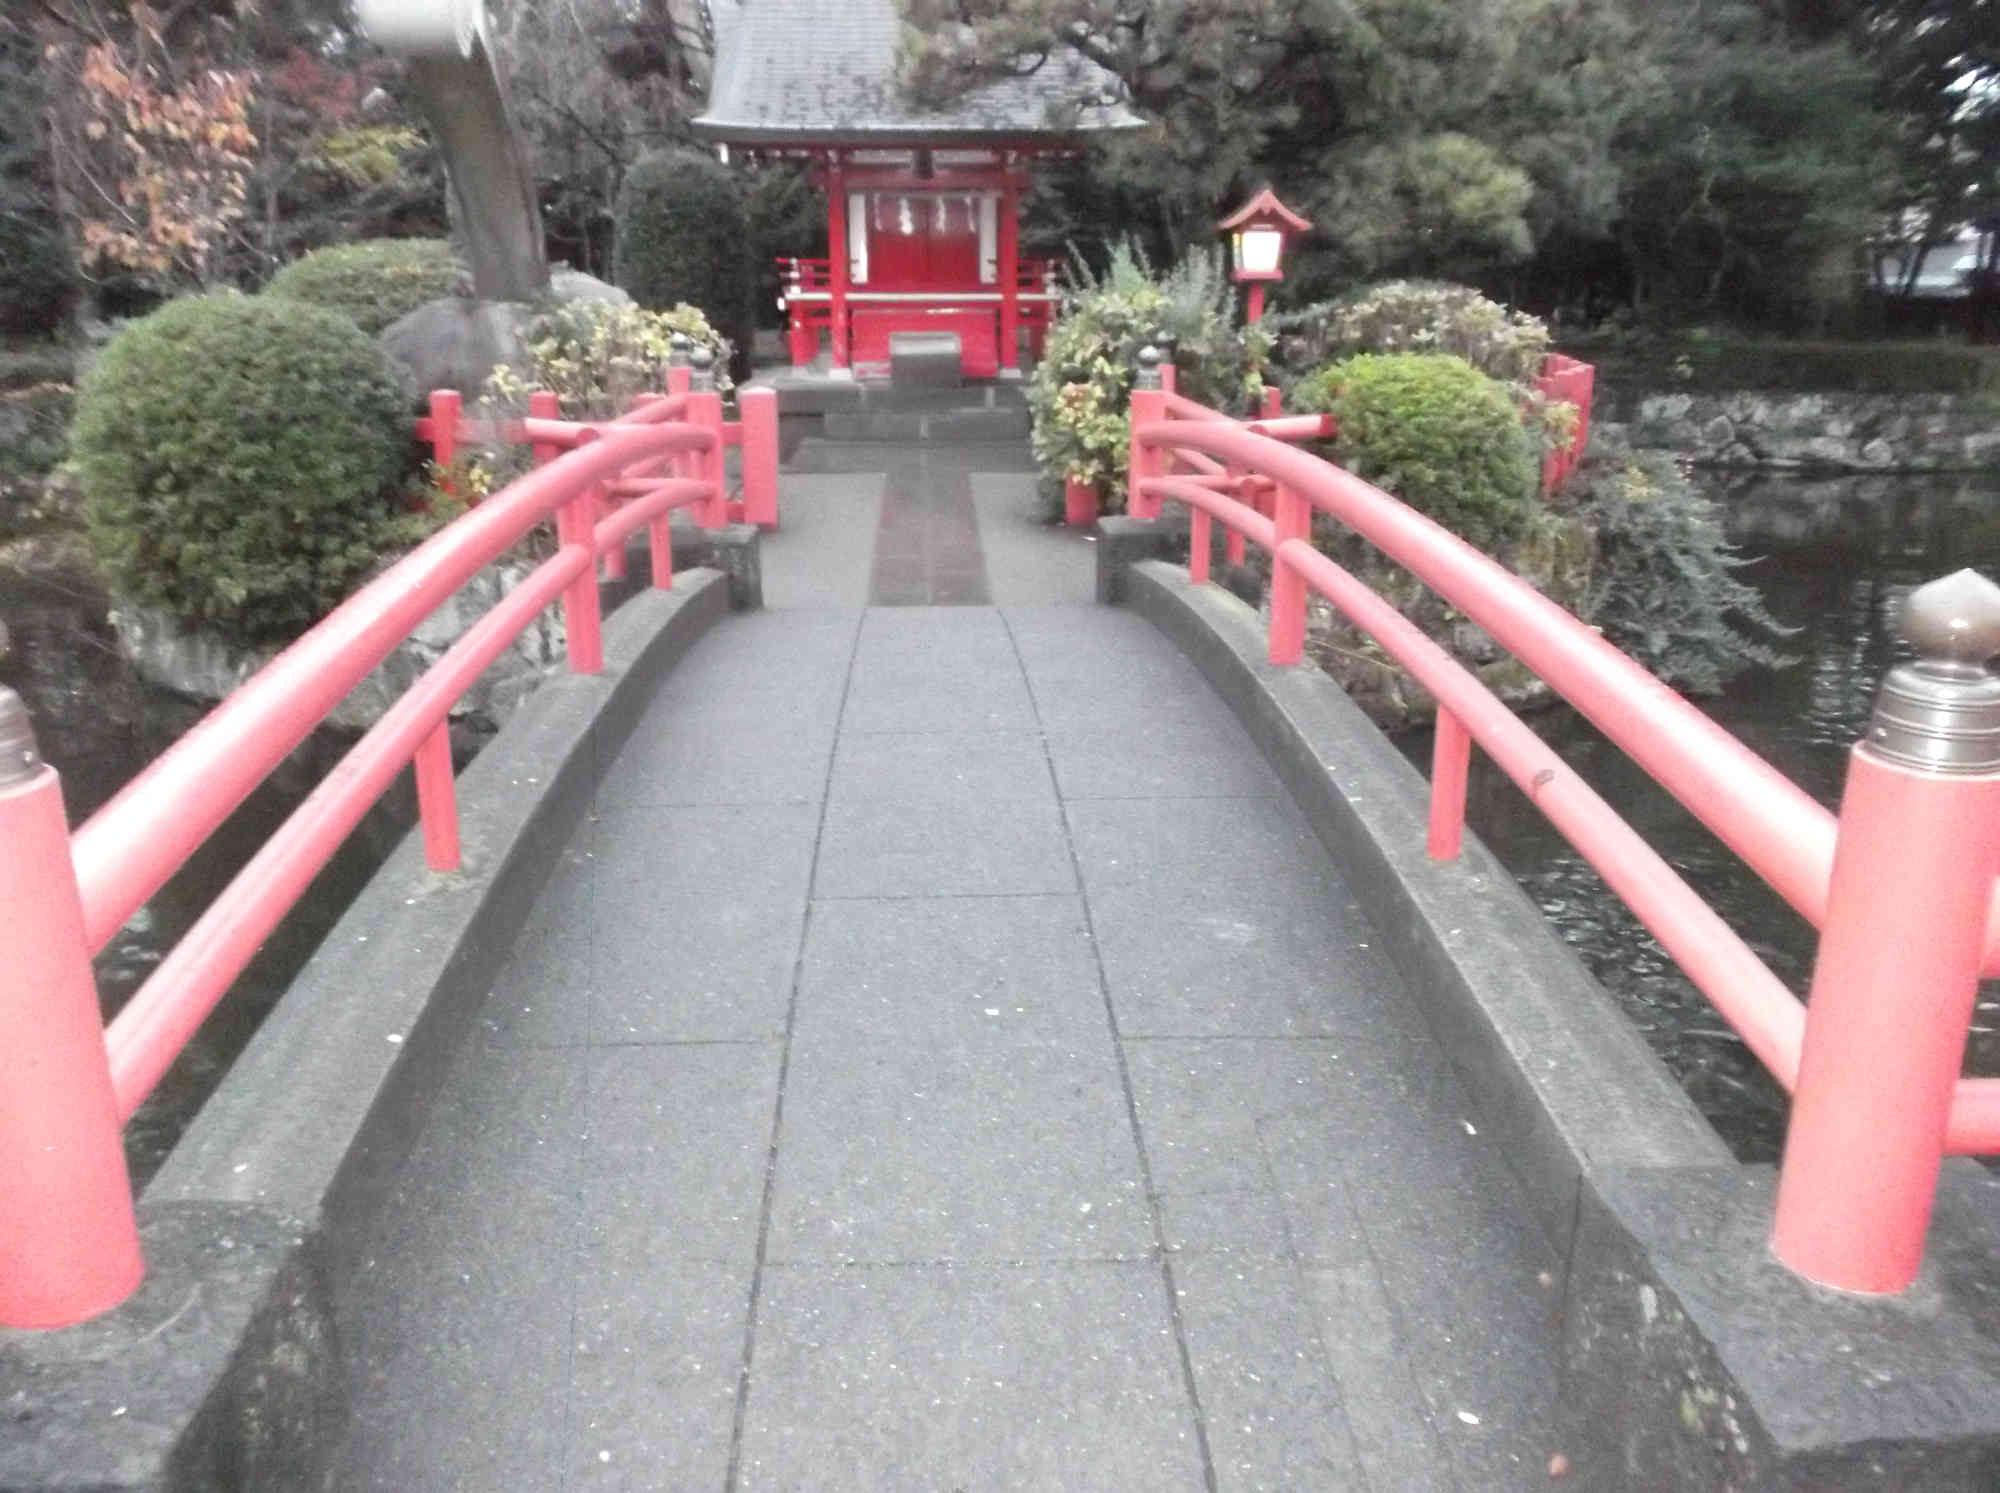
987, 1147
1049, 1379
946, 1063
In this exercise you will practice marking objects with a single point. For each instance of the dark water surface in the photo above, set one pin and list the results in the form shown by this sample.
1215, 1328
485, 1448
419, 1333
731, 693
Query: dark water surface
99, 725
1833, 559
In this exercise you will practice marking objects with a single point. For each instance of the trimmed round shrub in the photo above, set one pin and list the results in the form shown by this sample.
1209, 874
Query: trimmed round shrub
239, 458
683, 236
1436, 432
373, 282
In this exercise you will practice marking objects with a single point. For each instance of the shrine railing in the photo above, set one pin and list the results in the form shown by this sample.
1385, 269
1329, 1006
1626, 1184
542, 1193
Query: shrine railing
69, 1246
1901, 886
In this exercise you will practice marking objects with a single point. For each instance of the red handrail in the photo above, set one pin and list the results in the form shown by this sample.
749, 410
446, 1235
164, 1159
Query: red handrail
126, 850
70, 1250
1865, 1239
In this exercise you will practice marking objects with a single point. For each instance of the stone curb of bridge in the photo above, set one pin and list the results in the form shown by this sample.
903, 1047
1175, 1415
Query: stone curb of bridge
1693, 1360
224, 1373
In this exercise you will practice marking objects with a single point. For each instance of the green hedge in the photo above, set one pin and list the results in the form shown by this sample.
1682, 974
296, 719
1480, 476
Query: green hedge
238, 459
1436, 432
1722, 365
373, 282
684, 238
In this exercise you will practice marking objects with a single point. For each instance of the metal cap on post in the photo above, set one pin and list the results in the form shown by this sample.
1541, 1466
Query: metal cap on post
1941, 711
703, 362
1167, 343
1149, 407
679, 375
1901, 945
1148, 376
20, 757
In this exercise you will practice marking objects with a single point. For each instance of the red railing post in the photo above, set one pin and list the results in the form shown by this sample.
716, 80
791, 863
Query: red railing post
803, 341
583, 618
680, 375
1896, 979
544, 405
69, 1243
437, 800
704, 409
1451, 764
614, 557
1293, 520
583, 613
759, 410
1149, 407
1200, 526
447, 414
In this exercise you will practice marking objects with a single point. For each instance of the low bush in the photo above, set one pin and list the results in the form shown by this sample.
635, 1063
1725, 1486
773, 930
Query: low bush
597, 355
1436, 432
1421, 316
373, 282
683, 238
1664, 586
1080, 393
239, 458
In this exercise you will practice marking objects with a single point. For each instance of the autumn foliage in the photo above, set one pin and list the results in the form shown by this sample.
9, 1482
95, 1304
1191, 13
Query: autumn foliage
159, 158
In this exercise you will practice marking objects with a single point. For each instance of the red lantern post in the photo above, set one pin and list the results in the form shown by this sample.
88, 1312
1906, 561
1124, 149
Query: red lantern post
1260, 231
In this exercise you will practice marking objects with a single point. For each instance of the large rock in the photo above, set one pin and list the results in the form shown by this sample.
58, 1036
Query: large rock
456, 343
203, 666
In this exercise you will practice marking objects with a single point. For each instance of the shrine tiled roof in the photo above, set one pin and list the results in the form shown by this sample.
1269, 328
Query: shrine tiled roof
824, 72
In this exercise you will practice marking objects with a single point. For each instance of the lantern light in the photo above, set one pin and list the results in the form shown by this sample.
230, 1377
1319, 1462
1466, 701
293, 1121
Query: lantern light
1259, 232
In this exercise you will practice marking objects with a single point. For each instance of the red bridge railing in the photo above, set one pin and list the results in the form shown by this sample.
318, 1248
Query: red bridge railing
1901, 887
69, 1245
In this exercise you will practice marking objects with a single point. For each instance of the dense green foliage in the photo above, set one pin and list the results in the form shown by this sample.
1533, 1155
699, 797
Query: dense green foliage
1427, 316
1436, 432
787, 217
37, 283
371, 283
238, 457
682, 234
1664, 586
1729, 159
1080, 390
1723, 364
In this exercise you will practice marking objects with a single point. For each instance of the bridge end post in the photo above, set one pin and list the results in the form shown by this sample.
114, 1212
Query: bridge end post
759, 407
1901, 947
69, 1239
1149, 407
705, 410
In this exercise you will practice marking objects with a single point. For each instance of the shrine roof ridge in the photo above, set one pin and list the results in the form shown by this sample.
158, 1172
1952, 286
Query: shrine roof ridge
823, 72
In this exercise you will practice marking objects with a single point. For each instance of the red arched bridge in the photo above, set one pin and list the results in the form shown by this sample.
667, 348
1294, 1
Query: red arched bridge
932, 1030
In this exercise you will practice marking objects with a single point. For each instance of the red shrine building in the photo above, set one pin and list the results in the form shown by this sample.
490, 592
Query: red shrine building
923, 208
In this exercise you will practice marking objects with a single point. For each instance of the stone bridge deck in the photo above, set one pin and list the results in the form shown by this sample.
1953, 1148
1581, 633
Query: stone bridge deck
945, 1061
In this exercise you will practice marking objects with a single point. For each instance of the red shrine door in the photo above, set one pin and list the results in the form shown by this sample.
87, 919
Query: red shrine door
921, 245
923, 241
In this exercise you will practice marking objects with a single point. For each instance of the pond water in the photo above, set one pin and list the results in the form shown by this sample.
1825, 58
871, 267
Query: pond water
1832, 558
99, 725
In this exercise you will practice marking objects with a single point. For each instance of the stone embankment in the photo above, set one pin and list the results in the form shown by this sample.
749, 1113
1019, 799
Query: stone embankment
204, 666
1822, 432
